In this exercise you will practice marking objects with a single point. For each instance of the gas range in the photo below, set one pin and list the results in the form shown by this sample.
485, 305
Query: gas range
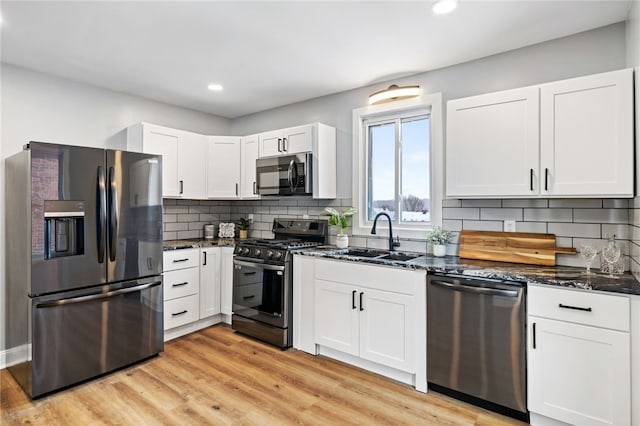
289, 235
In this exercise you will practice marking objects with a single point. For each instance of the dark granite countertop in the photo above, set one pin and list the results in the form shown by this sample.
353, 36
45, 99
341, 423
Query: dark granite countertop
562, 276
185, 244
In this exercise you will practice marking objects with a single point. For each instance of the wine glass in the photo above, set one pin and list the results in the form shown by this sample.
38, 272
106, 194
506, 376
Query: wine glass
611, 254
589, 253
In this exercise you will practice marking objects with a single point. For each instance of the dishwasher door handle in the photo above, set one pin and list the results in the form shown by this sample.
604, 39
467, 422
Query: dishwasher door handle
477, 290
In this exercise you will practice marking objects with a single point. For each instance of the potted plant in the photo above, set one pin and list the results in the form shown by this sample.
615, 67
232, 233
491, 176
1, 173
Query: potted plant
439, 237
339, 219
243, 227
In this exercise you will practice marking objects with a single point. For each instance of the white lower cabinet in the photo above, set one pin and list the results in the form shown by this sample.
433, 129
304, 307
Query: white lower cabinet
579, 369
209, 281
197, 289
375, 315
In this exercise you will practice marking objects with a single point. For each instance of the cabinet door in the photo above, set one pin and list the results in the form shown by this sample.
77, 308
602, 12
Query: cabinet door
492, 144
336, 316
192, 166
387, 329
226, 281
587, 136
223, 172
165, 142
270, 143
209, 282
579, 374
297, 139
249, 149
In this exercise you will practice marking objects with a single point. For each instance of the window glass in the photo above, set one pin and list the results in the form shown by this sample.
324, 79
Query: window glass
381, 171
415, 187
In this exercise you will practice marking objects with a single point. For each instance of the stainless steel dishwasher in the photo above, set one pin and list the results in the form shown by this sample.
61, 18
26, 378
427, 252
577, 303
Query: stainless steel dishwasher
476, 341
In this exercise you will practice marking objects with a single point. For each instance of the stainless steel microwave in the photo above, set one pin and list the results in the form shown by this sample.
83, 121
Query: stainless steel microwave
285, 175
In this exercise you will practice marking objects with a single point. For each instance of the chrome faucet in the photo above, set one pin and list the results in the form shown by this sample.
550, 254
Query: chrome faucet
392, 244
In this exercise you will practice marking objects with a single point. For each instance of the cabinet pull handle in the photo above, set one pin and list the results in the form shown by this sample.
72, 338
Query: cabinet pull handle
181, 187
179, 260
353, 299
255, 188
279, 142
361, 307
250, 273
236, 189
531, 179
179, 313
534, 335
180, 284
205, 258
249, 297
576, 308
284, 144
546, 179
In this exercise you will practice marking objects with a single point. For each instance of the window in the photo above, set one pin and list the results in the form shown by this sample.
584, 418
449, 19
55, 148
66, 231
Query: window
398, 168
398, 165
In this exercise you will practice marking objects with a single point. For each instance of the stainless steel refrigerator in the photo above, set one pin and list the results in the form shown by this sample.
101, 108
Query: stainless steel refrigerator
84, 263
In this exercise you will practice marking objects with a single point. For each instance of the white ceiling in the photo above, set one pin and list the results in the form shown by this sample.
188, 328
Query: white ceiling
267, 54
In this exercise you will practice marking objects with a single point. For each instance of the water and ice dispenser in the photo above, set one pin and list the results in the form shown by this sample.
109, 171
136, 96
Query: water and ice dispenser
63, 228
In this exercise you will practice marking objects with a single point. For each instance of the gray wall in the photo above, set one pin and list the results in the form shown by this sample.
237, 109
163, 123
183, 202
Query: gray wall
36, 106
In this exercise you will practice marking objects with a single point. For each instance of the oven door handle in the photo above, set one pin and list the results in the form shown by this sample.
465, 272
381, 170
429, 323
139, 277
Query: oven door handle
259, 265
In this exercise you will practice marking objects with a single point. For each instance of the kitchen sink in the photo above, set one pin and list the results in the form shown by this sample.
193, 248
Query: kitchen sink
366, 252
400, 257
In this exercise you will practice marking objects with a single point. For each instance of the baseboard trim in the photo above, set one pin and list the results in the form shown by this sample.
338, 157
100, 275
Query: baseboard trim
13, 356
191, 327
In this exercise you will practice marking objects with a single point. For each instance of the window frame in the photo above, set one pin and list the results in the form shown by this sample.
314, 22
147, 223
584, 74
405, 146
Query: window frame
431, 105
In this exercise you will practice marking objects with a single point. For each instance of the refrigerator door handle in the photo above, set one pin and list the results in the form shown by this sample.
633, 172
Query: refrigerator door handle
102, 213
90, 297
113, 213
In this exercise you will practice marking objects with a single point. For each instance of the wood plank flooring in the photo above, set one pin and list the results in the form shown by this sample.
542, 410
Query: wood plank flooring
215, 376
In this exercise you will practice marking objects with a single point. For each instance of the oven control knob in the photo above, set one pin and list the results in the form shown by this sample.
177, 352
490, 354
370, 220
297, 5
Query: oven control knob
245, 250
269, 253
256, 252
278, 255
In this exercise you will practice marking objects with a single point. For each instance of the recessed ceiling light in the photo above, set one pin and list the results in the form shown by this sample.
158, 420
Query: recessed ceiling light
214, 87
444, 6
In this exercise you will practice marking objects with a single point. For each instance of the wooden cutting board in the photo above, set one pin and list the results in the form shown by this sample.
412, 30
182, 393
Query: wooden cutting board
516, 247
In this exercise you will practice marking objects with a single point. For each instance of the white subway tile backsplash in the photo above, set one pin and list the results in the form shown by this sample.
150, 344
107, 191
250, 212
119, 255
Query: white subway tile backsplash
500, 214
583, 230
189, 217
484, 225
481, 203
461, 213
539, 227
548, 215
537, 203
166, 236
617, 203
451, 202
621, 231
185, 235
182, 226
601, 215
452, 224
169, 209
579, 203
198, 209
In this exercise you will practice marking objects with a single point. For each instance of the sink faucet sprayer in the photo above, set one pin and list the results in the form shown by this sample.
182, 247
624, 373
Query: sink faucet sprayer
392, 244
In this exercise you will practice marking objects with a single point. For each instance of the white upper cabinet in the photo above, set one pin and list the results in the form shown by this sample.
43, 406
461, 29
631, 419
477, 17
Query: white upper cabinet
492, 144
292, 140
586, 131
249, 151
570, 138
192, 166
223, 176
183, 166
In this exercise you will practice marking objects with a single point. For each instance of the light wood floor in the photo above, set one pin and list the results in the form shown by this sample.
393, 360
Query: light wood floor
217, 377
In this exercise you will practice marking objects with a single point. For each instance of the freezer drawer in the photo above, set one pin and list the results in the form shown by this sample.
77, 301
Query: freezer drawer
84, 335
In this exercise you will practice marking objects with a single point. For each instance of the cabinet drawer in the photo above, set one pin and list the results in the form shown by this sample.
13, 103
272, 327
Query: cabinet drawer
180, 311
180, 283
180, 259
582, 307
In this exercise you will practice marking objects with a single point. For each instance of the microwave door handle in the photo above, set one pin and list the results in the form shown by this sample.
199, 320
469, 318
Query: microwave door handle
290, 174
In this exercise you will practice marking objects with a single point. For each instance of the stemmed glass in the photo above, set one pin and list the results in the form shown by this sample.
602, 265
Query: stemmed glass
611, 254
589, 253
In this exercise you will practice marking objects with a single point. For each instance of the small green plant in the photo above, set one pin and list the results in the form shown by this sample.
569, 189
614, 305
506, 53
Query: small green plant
339, 219
243, 223
439, 236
